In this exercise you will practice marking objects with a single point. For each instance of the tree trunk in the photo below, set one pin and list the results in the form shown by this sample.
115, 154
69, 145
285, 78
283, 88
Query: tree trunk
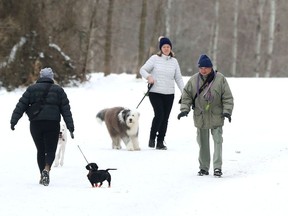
259, 36
88, 38
108, 39
156, 29
215, 34
167, 18
271, 37
235, 38
141, 46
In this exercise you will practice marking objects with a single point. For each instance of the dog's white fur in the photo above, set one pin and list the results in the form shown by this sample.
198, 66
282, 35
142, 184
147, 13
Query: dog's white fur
132, 121
122, 123
59, 159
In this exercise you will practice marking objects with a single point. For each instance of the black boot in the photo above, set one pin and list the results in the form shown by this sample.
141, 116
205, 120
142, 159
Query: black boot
151, 143
45, 178
160, 145
203, 172
218, 172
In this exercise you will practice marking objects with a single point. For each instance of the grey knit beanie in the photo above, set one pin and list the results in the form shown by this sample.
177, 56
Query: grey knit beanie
46, 72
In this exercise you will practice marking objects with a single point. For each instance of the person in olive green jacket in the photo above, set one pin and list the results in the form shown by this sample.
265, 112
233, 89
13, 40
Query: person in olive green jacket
209, 95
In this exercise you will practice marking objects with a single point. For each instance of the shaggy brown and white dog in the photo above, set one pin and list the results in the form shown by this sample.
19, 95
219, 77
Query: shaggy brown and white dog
61, 146
122, 123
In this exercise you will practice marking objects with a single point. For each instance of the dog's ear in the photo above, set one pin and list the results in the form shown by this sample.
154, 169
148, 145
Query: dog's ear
92, 166
126, 113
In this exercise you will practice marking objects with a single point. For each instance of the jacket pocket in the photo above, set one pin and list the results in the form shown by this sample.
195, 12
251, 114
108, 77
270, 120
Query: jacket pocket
198, 118
216, 116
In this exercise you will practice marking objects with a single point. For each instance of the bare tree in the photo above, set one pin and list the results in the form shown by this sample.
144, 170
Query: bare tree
108, 39
271, 38
141, 46
259, 36
168, 18
215, 33
235, 38
88, 36
77, 37
156, 27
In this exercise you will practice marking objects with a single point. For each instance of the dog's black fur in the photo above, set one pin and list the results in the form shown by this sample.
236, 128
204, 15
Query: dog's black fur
96, 176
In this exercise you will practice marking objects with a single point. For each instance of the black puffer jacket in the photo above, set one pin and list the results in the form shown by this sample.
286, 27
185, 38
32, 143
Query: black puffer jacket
57, 103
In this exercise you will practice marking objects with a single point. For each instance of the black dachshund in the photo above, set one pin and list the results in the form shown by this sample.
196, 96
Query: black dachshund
96, 176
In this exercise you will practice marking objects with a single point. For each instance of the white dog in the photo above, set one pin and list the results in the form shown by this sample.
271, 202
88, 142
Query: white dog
61, 146
122, 123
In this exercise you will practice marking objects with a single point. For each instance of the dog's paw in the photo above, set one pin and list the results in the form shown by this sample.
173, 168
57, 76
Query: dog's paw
129, 148
116, 147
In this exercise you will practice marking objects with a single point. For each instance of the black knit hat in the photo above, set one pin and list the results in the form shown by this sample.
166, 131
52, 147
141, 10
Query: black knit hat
164, 40
204, 61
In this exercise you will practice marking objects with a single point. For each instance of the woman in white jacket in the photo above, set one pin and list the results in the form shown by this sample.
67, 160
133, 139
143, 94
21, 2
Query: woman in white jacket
162, 71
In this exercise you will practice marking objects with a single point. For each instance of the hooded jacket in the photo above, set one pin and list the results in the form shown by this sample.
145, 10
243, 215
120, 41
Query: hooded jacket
208, 113
56, 103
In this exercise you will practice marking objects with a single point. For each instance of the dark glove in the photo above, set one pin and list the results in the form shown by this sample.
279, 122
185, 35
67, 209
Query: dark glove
72, 135
185, 113
227, 115
12, 127
71, 132
180, 100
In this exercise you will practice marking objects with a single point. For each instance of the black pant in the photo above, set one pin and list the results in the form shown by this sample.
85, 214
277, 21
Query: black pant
45, 135
162, 105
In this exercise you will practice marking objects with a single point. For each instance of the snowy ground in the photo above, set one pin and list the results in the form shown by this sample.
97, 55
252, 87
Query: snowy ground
151, 182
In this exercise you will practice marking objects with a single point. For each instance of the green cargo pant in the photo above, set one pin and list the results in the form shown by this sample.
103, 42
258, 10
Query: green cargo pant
204, 145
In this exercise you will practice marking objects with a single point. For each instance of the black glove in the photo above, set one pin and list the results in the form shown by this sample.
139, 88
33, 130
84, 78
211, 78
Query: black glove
185, 113
72, 135
71, 132
12, 127
227, 115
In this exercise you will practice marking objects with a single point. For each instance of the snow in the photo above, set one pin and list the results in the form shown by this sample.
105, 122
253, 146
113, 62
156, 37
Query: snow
55, 46
13, 52
152, 182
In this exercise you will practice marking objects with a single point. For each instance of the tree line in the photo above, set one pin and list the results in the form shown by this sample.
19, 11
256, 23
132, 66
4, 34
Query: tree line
244, 38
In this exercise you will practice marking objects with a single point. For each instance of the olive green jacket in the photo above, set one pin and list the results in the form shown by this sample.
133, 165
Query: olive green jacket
208, 114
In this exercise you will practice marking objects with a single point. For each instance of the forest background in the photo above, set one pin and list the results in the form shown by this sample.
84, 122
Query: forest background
246, 38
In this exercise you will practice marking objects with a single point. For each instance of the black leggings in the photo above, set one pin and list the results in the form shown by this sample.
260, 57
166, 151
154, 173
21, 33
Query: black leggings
45, 135
162, 105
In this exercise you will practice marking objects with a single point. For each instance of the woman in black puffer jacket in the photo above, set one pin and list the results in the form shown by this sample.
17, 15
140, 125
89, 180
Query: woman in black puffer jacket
45, 127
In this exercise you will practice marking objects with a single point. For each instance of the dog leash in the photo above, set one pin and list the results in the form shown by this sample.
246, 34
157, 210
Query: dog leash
83, 154
88, 162
146, 94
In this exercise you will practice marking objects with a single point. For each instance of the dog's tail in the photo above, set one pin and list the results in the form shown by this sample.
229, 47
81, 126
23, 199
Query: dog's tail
111, 169
101, 115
